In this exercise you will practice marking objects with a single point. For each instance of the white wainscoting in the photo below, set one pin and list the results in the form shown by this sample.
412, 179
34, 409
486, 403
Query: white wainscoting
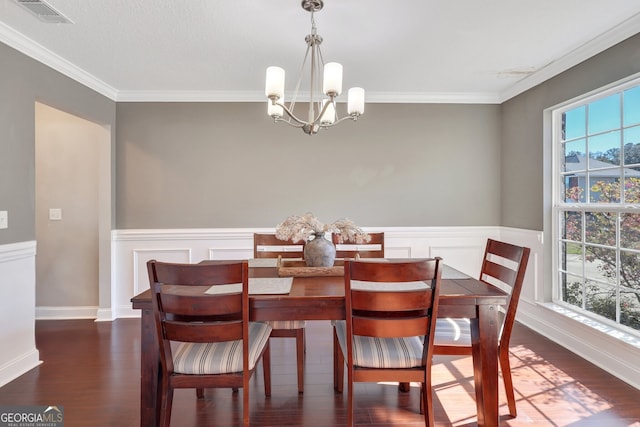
18, 354
460, 247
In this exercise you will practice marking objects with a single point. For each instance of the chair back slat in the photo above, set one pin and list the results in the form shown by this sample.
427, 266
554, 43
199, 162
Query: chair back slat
372, 249
391, 327
201, 305
267, 245
195, 274
504, 250
202, 332
499, 272
398, 302
392, 270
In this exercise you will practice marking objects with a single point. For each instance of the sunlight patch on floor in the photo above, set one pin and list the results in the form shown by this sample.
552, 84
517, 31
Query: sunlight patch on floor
541, 390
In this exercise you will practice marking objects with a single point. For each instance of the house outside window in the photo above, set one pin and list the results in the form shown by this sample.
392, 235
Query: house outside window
597, 206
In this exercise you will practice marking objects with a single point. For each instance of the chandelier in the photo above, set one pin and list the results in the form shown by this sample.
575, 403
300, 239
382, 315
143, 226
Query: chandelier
322, 112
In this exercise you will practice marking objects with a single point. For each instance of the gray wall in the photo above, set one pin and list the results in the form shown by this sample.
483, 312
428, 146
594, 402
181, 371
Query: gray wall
227, 165
67, 177
23, 81
193, 165
523, 137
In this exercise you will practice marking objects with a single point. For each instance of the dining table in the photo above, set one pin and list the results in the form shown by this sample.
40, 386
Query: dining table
323, 298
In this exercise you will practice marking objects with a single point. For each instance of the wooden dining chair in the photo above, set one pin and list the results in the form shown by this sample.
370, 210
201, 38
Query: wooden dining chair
388, 333
372, 249
267, 245
503, 265
206, 340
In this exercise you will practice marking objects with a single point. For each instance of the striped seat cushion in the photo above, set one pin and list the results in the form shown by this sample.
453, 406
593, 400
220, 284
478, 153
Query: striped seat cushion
287, 324
221, 357
371, 352
453, 332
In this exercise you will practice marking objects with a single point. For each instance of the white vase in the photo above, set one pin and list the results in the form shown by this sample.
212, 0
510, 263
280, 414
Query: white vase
319, 252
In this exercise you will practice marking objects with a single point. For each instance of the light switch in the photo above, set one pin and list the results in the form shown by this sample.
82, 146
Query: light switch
4, 219
55, 214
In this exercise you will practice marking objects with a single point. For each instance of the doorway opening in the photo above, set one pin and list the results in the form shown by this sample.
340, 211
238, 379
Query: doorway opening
73, 216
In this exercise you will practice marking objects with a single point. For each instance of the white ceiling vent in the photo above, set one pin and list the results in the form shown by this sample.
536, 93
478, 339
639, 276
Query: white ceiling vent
44, 11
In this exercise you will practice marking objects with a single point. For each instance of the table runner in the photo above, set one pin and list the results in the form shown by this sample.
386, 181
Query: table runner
257, 286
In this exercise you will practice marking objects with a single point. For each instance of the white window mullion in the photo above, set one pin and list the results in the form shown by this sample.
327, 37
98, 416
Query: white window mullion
618, 264
583, 236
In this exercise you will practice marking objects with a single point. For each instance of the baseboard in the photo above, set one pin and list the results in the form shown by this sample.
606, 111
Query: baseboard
127, 312
16, 367
105, 315
61, 313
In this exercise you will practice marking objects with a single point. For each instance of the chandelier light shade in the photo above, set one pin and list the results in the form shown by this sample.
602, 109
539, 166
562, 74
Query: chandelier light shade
324, 87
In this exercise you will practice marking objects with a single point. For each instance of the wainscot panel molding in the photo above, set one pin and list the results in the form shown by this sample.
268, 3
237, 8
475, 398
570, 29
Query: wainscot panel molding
17, 313
460, 247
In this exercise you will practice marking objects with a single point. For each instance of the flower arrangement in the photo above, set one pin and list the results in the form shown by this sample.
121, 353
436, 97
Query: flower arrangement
300, 228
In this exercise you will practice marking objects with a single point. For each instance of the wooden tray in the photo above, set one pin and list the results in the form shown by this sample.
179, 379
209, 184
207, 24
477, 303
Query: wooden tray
298, 268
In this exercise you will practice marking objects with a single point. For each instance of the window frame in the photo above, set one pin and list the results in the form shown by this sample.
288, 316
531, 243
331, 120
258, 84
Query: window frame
559, 205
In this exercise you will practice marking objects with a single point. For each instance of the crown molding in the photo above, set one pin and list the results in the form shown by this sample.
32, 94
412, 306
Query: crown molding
188, 96
19, 42
38, 52
621, 32
249, 96
432, 97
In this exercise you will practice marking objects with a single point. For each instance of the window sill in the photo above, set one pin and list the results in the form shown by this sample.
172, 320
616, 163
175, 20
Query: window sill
594, 324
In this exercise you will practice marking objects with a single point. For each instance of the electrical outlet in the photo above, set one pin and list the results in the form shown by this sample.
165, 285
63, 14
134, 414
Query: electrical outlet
4, 219
55, 214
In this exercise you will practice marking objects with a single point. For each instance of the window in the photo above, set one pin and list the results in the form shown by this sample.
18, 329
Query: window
597, 205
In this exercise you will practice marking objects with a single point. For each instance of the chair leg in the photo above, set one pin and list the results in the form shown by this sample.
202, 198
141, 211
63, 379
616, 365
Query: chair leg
266, 370
300, 353
200, 393
338, 365
349, 400
165, 407
505, 368
245, 398
426, 403
245, 405
335, 362
404, 387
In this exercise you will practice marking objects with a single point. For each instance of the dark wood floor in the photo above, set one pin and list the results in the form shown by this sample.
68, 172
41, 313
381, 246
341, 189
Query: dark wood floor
92, 370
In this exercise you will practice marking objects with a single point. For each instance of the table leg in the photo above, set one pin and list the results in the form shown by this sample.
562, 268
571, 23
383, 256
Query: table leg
148, 371
484, 336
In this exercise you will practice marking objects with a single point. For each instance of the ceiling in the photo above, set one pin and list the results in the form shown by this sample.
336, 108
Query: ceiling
399, 51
